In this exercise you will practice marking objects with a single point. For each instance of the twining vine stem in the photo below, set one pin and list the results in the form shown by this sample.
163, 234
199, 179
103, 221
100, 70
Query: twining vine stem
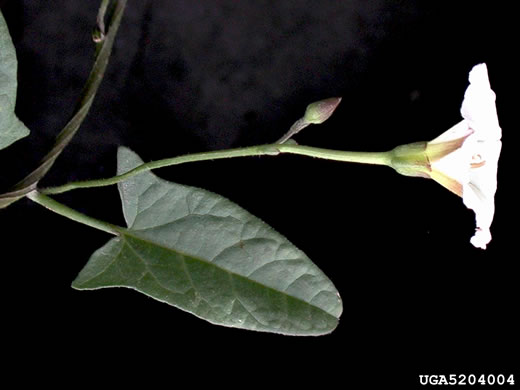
103, 50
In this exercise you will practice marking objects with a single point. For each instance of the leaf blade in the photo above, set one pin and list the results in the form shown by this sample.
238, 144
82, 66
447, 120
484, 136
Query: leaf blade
231, 268
11, 128
223, 299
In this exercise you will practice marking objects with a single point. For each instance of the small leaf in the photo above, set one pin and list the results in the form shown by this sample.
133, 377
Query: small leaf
11, 128
204, 254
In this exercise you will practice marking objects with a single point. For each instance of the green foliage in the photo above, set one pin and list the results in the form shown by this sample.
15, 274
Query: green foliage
184, 246
11, 128
204, 254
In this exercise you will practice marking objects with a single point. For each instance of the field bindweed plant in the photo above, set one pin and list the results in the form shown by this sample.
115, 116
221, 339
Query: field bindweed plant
200, 252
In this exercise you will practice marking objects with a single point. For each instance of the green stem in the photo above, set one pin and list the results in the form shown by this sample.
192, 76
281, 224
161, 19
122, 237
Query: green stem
66, 211
298, 126
103, 50
378, 158
375, 158
101, 17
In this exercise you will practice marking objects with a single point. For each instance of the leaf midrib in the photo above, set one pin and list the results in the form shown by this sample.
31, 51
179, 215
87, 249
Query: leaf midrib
127, 232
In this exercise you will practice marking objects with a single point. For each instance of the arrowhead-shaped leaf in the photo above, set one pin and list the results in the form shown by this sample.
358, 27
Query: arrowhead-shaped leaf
11, 128
204, 254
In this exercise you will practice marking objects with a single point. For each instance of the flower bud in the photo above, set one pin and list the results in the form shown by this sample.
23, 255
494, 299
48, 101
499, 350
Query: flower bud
318, 112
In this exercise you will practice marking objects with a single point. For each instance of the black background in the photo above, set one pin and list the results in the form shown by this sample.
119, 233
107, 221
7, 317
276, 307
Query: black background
188, 76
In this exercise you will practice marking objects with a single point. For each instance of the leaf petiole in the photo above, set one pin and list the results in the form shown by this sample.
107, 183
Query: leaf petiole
66, 211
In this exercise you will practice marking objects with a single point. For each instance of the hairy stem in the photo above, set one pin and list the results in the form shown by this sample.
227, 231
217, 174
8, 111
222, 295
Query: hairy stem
299, 125
378, 158
66, 211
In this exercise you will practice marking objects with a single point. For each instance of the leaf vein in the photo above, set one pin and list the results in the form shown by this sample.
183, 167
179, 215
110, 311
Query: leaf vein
149, 270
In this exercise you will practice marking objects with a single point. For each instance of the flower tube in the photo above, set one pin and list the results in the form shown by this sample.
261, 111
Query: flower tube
464, 159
